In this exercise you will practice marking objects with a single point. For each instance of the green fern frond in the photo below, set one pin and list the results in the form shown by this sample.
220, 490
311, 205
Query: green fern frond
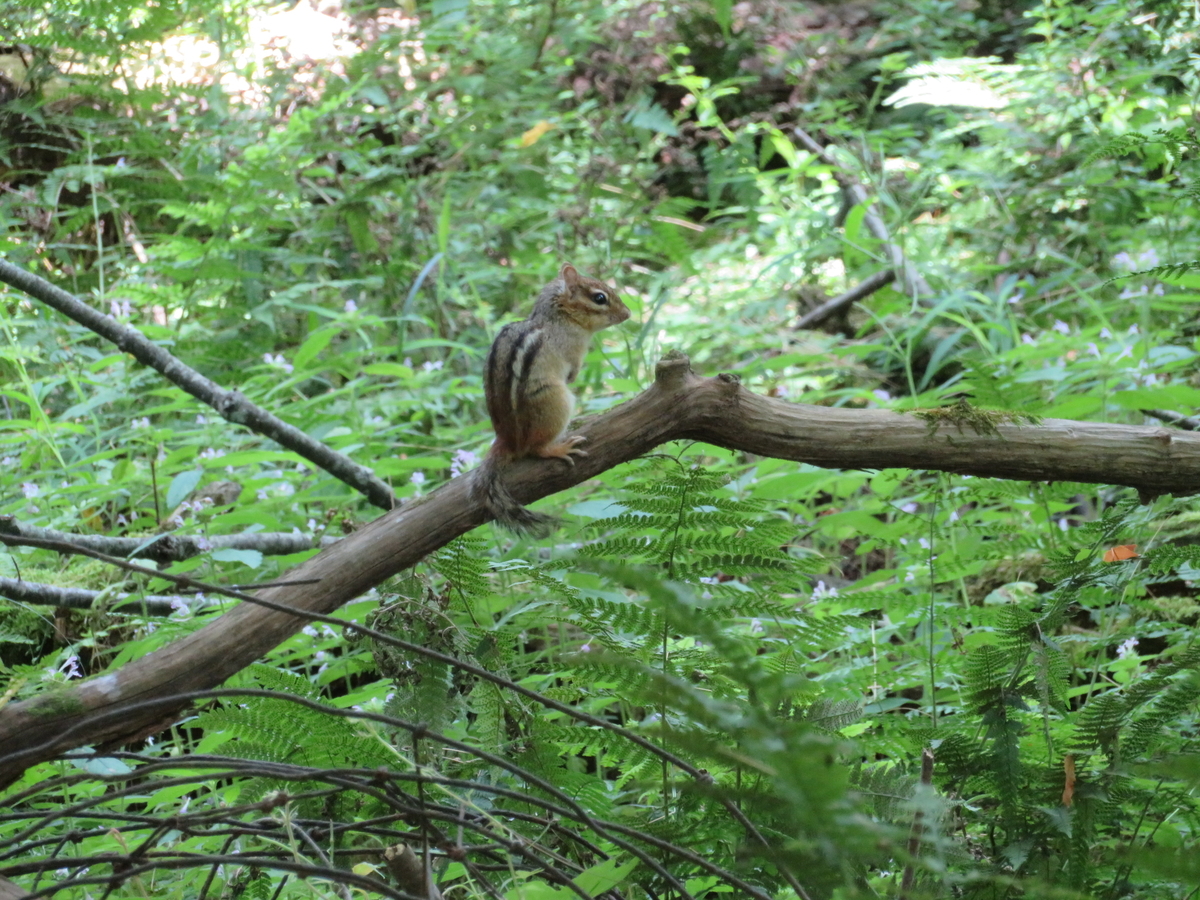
1168, 557
622, 677
1167, 708
463, 563
1099, 724
1123, 144
888, 787
1167, 270
613, 616
830, 715
987, 673
639, 547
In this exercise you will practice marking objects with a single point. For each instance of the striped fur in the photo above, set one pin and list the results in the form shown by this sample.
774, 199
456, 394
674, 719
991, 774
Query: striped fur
526, 379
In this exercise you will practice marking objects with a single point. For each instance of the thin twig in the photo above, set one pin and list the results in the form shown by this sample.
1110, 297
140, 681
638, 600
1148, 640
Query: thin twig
914, 283
230, 404
918, 827
841, 301
700, 776
1179, 420
173, 546
38, 594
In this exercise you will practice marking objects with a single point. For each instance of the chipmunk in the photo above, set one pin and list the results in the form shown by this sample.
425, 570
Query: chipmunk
525, 383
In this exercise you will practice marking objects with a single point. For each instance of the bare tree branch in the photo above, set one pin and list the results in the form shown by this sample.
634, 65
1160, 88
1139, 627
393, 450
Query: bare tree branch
679, 405
230, 404
173, 546
841, 301
1179, 420
914, 283
79, 598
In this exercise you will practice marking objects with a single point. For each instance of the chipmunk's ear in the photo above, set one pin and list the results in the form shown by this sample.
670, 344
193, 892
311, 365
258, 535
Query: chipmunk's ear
568, 274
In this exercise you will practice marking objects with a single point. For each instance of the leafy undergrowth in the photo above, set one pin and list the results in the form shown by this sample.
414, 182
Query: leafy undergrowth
726, 675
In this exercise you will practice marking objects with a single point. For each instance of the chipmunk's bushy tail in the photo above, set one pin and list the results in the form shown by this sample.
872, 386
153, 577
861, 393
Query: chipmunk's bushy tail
489, 490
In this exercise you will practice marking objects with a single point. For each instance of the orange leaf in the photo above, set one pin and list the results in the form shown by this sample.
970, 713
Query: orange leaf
529, 138
1120, 552
1069, 782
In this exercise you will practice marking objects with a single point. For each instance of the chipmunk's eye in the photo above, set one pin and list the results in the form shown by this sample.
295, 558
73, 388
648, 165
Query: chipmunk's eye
600, 298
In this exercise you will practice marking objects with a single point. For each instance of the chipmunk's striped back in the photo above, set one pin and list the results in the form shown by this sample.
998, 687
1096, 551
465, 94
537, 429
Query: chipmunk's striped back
525, 380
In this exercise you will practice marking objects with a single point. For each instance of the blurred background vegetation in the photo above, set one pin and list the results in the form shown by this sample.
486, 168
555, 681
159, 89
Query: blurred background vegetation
333, 209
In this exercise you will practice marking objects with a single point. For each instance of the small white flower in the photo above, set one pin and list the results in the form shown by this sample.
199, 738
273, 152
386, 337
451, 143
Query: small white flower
431, 365
70, 667
1061, 327
29, 489
463, 460
823, 591
417, 478
201, 419
1127, 648
278, 360
350, 307
909, 508
1148, 258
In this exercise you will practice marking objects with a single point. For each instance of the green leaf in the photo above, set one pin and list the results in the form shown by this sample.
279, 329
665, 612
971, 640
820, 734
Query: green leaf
250, 558
102, 766
182, 485
652, 117
389, 370
1174, 396
316, 342
358, 223
604, 876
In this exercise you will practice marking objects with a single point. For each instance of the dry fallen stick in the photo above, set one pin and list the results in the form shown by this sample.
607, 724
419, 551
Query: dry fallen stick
815, 317
679, 405
171, 546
